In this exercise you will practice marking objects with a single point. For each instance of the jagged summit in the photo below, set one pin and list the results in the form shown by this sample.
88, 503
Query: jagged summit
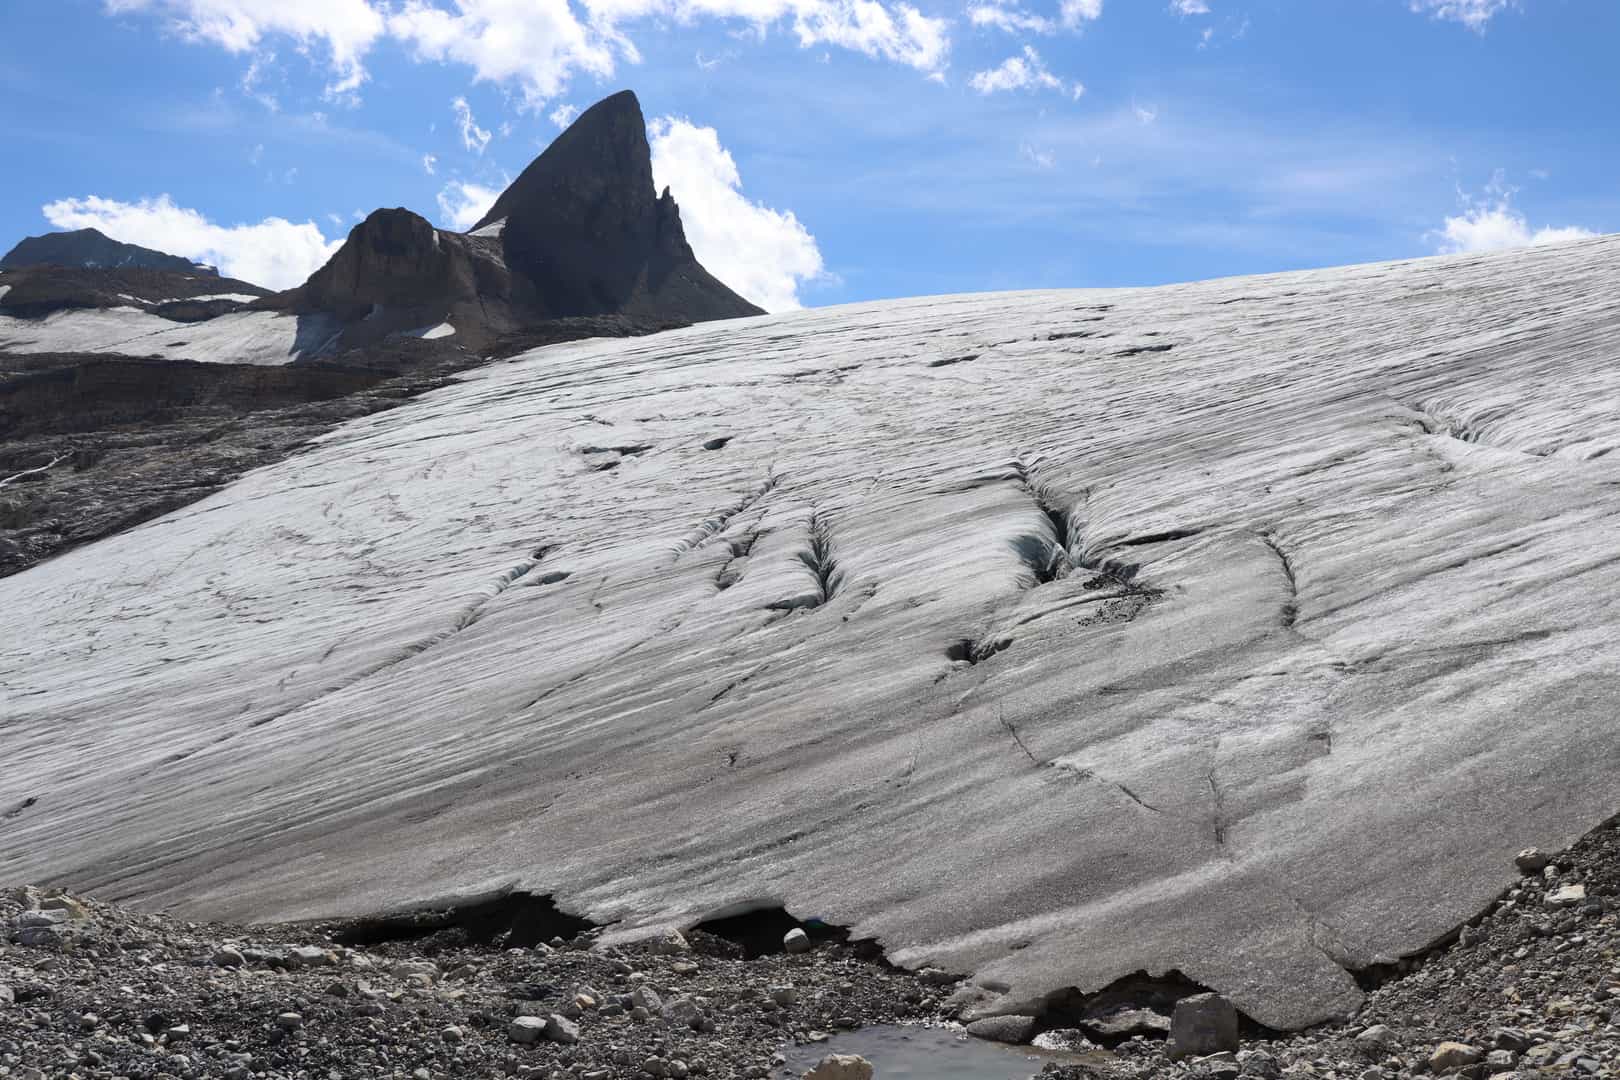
582, 232
585, 224
94, 249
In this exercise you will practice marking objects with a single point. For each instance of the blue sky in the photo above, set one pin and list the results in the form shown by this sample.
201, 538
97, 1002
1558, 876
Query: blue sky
833, 150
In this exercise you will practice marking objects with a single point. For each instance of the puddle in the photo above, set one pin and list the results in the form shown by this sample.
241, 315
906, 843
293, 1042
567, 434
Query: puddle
924, 1053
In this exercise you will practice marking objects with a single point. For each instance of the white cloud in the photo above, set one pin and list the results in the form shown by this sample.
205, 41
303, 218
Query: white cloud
901, 34
473, 137
1145, 114
1041, 159
564, 114
1491, 223
461, 204
1026, 72
763, 254
1189, 7
1075, 12
1474, 14
346, 28
429, 164
1013, 20
539, 46
274, 252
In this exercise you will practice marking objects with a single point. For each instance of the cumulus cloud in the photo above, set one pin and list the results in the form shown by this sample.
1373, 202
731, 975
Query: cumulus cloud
1075, 12
1474, 14
461, 203
345, 29
1014, 20
274, 252
1189, 7
764, 254
1492, 223
1025, 72
473, 137
538, 46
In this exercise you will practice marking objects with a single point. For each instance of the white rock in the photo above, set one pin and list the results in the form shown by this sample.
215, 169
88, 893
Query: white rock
1568, 896
841, 1067
796, 941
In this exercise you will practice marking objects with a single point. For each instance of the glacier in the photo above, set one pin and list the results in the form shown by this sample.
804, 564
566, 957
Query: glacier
1243, 628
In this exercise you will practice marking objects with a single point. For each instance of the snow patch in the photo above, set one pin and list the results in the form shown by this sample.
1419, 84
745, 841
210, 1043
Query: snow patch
493, 230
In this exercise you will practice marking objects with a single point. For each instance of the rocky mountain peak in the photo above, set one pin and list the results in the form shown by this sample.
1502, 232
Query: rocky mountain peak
94, 249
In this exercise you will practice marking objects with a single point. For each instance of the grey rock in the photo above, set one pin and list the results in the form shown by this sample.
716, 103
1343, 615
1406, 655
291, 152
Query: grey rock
560, 1029
1450, 1057
1203, 1024
1125, 1021
290, 1021
307, 956
645, 997
1015, 1030
1378, 1039
796, 941
683, 1012
38, 937
227, 957
30, 919
526, 1029
1531, 861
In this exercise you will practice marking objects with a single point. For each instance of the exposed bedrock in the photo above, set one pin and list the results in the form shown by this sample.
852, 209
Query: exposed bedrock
1283, 676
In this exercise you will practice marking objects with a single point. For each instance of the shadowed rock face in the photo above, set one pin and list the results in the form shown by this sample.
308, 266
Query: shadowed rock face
93, 249
586, 227
396, 259
581, 233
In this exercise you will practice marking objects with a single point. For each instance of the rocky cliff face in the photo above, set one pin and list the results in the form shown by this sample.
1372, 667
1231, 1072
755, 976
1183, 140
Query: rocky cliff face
585, 226
581, 233
93, 249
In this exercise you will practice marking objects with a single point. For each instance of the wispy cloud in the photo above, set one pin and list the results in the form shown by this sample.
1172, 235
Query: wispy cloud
540, 47
1023, 72
1474, 14
473, 137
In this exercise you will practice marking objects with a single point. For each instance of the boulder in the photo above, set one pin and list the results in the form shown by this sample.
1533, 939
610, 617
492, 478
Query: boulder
841, 1067
1125, 1021
1531, 861
526, 1029
1203, 1024
1015, 1030
1450, 1057
796, 941
560, 1029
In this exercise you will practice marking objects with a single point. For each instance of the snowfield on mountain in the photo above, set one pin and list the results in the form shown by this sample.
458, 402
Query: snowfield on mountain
1244, 629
